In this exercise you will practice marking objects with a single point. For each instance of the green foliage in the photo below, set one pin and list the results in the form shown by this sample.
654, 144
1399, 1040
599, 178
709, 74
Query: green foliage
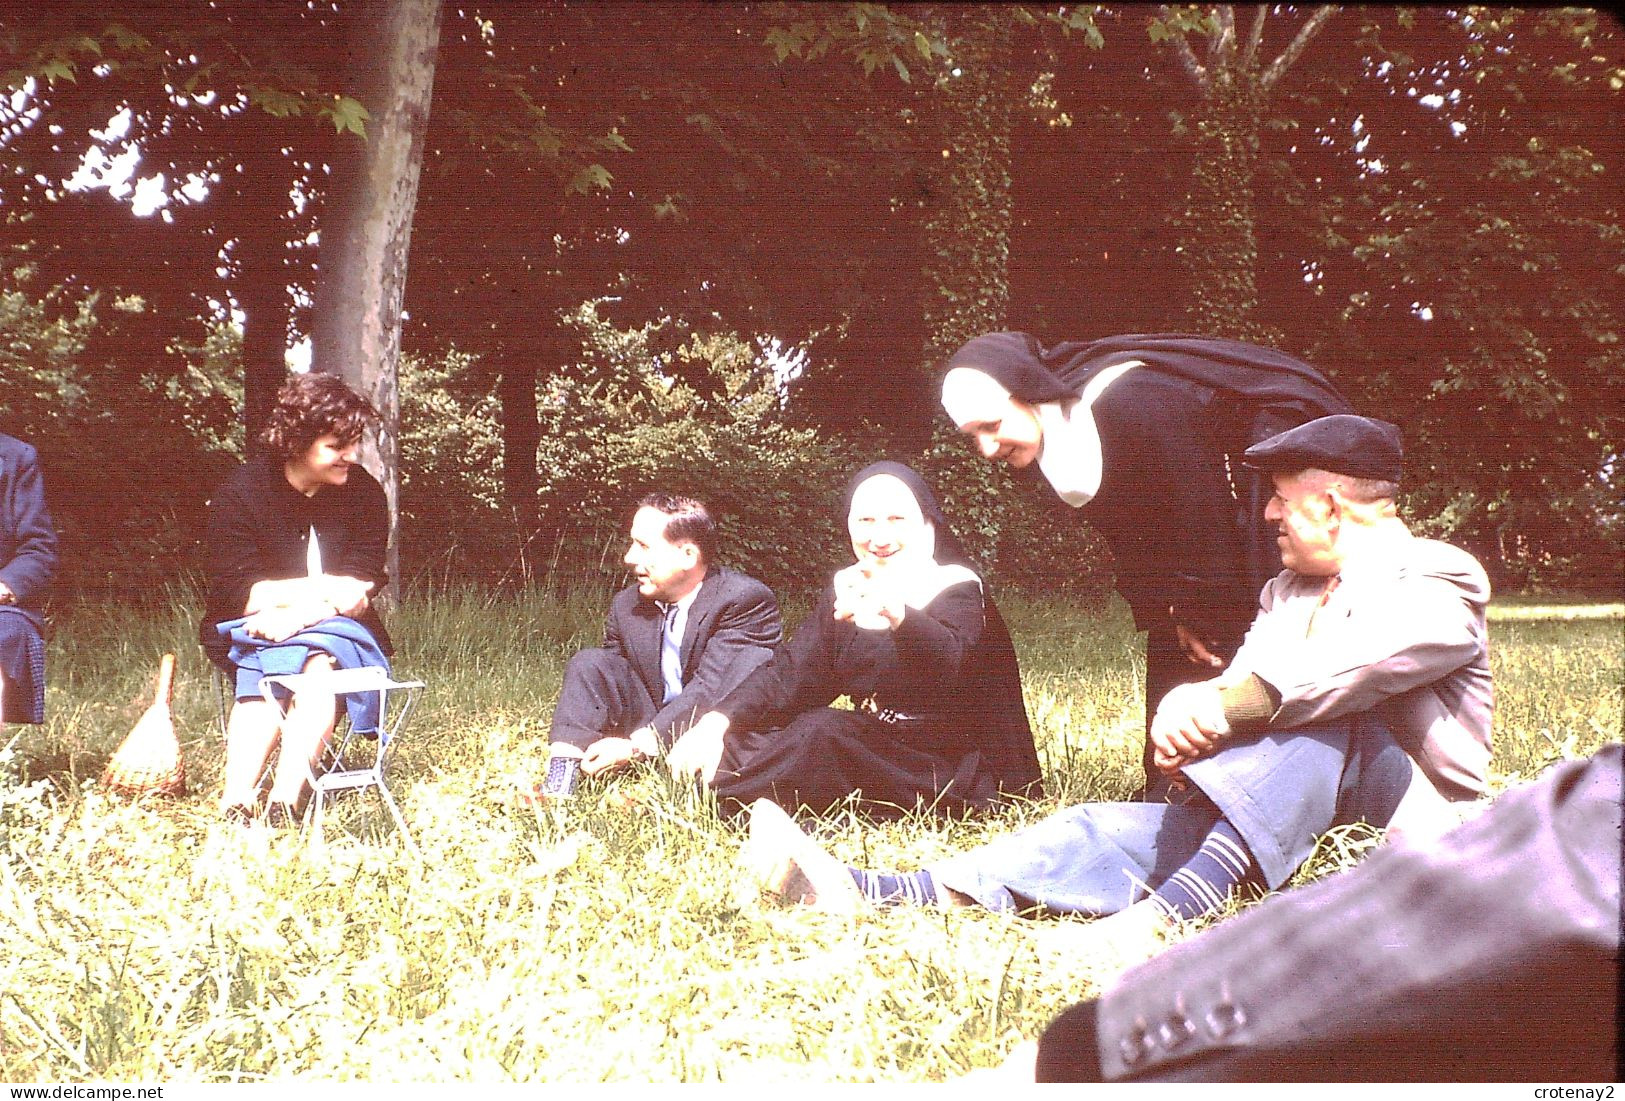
967, 223
207, 393
451, 440
1504, 396
349, 114
1075, 19
39, 370
873, 35
703, 416
1180, 20
183, 49
516, 121
451, 461
129, 456
702, 419
1511, 393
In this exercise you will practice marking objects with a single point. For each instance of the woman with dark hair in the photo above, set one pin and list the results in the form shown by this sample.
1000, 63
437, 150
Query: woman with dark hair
296, 548
1144, 433
910, 636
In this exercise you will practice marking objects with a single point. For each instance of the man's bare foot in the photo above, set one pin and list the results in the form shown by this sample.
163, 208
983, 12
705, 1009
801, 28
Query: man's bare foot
1020, 1067
1423, 815
1122, 941
781, 861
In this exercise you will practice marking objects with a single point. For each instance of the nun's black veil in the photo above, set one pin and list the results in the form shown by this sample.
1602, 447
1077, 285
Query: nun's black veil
1264, 377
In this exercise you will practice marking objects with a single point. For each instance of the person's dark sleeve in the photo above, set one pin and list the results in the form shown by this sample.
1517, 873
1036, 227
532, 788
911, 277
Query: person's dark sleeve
366, 546
933, 643
1070, 1048
613, 639
743, 639
33, 560
234, 560
801, 674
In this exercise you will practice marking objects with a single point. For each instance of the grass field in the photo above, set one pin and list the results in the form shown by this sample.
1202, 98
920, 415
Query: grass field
152, 942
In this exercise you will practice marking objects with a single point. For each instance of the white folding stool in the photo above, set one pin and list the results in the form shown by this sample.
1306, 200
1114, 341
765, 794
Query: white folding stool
343, 774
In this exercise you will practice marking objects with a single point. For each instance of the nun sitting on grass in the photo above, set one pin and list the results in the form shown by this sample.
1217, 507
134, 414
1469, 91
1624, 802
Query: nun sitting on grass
296, 548
910, 636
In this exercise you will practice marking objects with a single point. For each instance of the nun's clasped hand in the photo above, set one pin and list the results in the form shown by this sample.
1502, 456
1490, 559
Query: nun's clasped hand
867, 601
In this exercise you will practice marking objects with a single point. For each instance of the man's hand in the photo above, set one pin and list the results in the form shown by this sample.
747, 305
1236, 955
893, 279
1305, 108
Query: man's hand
699, 751
6, 595
607, 755
1197, 649
1189, 724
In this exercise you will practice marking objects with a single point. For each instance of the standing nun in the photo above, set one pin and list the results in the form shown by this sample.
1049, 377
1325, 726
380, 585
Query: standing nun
1147, 431
910, 636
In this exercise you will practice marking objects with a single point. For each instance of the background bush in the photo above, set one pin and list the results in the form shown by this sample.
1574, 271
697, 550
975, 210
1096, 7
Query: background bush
129, 467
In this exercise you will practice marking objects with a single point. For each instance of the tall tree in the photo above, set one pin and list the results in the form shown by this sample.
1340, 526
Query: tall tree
231, 106
1236, 77
654, 158
968, 212
1472, 275
367, 227
961, 205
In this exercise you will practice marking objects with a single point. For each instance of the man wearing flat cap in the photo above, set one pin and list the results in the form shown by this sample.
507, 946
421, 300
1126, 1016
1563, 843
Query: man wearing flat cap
1365, 617
1360, 693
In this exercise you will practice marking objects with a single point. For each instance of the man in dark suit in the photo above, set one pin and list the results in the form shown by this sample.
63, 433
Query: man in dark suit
27, 561
676, 641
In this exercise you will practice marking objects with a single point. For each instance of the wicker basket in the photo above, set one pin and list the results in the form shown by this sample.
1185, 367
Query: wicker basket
149, 761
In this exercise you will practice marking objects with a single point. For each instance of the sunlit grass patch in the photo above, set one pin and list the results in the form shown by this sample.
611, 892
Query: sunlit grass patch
602, 940
1518, 611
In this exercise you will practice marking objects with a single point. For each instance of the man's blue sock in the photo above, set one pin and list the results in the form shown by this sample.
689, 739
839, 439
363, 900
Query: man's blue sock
1222, 864
896, 888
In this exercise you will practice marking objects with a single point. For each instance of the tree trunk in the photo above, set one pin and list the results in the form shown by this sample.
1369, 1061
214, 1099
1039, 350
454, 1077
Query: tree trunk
1218, 245
1218, 241
364, 243
967, 220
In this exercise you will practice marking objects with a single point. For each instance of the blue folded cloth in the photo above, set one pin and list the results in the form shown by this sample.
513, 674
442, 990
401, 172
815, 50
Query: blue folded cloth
22, 663
349, 643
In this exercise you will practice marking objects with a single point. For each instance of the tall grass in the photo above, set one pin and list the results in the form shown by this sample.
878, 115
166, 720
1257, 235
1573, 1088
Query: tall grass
602, 941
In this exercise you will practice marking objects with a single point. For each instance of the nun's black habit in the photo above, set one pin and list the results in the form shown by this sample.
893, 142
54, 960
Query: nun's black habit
939, 717
1184, 519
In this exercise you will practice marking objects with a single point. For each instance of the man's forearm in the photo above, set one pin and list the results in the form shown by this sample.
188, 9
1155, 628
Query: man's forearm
1248, 703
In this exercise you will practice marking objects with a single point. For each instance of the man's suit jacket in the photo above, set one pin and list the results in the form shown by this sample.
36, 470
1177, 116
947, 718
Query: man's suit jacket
1491, 954
27, 537
733, 626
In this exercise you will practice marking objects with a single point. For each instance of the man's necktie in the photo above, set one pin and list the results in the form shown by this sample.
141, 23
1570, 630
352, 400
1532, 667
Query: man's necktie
671, 653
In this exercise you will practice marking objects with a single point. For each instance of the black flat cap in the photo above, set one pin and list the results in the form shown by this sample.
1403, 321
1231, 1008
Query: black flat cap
1342, 444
